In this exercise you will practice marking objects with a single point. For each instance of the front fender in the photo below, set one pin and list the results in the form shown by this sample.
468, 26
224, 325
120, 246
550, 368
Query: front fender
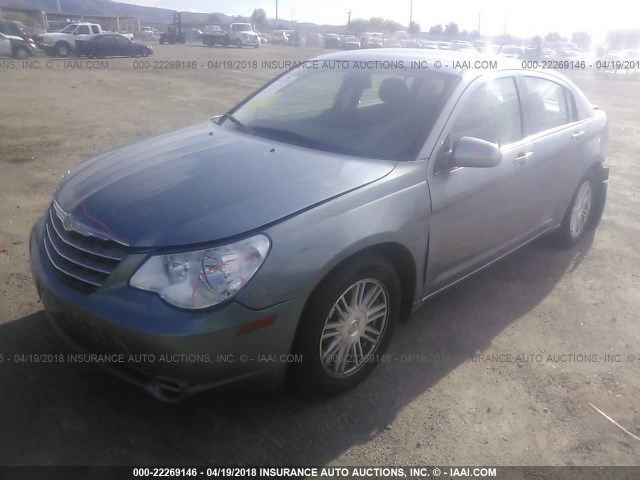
309, 245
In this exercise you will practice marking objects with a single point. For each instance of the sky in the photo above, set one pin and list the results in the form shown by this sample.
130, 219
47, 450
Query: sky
522, 18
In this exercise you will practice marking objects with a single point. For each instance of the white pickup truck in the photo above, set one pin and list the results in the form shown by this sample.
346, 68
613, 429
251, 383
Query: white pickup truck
238, 34
63, 43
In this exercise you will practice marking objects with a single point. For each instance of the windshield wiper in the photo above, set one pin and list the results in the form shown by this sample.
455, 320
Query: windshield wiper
297, 138
235, 121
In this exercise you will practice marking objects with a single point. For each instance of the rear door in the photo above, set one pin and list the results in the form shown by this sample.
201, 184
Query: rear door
106, 45
478, 214
5, 46
551, 121
123, 46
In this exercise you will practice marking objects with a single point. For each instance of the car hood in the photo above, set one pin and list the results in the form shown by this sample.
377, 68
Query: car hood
54, 35
205, 183
14, 37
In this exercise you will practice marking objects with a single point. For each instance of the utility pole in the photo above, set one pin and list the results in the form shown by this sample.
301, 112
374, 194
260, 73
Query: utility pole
58, 2
410, 13
349, 18
276, 13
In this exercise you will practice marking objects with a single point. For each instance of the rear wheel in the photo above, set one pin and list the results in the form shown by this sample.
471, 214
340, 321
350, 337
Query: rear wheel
346, 326
583, 212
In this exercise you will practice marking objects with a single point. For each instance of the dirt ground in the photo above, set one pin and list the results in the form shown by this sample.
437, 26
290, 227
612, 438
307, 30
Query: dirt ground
550, 317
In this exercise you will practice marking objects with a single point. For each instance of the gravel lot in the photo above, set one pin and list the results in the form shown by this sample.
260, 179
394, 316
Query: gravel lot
561, 311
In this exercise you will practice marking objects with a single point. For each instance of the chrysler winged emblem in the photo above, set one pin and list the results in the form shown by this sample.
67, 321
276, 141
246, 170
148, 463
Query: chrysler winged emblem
66, 222
71, 225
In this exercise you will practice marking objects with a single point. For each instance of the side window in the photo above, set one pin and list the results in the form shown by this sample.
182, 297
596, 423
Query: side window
120, 40
83, 30
108, 40
547, 103
491, 113
94, 29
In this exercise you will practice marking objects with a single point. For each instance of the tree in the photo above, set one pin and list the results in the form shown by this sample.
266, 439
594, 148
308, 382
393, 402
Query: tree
391, 26
436, 30
451, 29
537, 41
414, 28
358, 25
214, 19
552, 37
259, 17
582, 39
376, 24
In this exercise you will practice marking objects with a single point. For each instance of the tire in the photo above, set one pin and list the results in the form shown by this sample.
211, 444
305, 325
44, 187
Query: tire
63, 49
238, 43
21, 53
348, 350
583, 213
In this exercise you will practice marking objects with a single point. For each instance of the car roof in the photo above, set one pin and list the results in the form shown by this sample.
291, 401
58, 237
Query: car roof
407, 55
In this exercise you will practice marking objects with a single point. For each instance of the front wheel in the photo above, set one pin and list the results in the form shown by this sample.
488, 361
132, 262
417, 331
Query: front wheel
63, 49
346, 326
21, 53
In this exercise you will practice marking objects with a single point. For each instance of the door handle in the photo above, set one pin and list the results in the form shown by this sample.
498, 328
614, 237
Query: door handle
522, 158
577, 134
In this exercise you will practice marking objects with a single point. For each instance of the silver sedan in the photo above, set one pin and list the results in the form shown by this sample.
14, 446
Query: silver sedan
292, 233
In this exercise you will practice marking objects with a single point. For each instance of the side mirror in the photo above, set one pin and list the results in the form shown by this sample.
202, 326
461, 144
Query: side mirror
475, 153
75, 32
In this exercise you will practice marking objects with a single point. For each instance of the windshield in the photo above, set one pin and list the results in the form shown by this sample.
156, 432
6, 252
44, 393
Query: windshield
69, 28
383, 114
243, 27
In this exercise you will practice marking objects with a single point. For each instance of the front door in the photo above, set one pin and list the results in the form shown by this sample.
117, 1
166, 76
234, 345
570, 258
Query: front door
478, 214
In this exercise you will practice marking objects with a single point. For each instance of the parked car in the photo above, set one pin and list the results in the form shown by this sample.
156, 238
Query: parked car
63, 43
391, 42
429, 45
510, 51
372, 40
463, 47
297, 39
280, 37
332, 40
349, 42
236, 34
16, 47
312, 217
113, 45
15, 29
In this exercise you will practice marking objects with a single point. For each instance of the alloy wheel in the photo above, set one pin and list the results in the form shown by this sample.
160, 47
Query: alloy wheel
354, 328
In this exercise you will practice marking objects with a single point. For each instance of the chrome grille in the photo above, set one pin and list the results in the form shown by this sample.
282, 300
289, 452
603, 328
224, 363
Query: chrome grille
85, 262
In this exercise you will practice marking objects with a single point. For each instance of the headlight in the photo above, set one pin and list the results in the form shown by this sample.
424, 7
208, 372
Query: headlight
205, 277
